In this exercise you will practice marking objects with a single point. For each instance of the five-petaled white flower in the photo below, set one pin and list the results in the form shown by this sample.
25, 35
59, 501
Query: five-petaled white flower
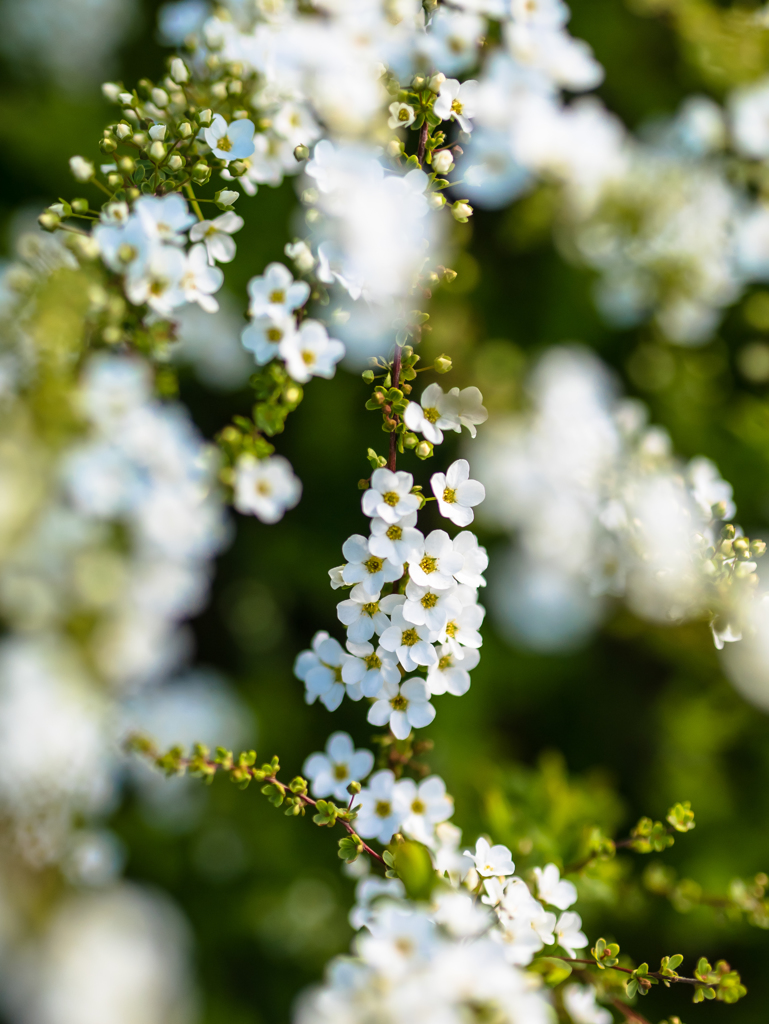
434, 413
265, 487
581, 1006
164, 218
321, 672
276, 293
160, 282
401, 115
457, 101
468, 408
451, 675
403, 707
362, 613
230, 142
200, 280
397, 542
411, 643
309, 352
552, 889
491, 860
263, 336
217, 236
423, 806
456, 493
389, 497
369, 570
426, 606
377, 816
332, 772
475, 559
462, 631
371, 668
437, 563
569, 934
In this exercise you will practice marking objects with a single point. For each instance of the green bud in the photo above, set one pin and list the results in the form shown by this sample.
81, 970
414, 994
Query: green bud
108, 145
424, 450
184, 130
157, 151
205, 117
80, 205
201, 172
368, 376
354, 788
49, 221
442, 364
301, 153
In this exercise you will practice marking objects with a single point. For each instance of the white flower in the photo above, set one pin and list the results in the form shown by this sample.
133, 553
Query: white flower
276, 293
749, 109
265, 487
164, 218
401, 115
200, 280
82, 169
434, 413
377, 817
402, 707
321, 672
451, 675
301, 254
216, 234
389, 497
397, 542
263, 336
310, 352
457, 493
457, 101
438, 563
226, 196
422, 806
230, 142
491, 860
295, 123
400, 940
708, 489
411, 643
362, 615
475, 559
332, 772
462, 630
459, 913
336, 577
468, 408
551, 889
371, 668
568, 932
363, 567
160, 282
125, 247
581, 1006
369, 889
425, 606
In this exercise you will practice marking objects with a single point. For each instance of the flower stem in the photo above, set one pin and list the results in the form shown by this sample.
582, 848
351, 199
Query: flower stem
396, 375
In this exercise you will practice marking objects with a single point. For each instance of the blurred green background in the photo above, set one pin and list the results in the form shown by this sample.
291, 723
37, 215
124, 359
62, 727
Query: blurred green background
542, 745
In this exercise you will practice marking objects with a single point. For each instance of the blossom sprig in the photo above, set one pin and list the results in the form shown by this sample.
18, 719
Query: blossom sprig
646, 836
242, 771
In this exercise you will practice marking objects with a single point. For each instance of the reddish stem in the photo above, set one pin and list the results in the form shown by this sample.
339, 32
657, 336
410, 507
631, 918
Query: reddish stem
396, 376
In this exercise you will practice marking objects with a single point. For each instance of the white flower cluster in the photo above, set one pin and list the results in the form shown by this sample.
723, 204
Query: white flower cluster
146, 245
599, 505
429, 623
454, 955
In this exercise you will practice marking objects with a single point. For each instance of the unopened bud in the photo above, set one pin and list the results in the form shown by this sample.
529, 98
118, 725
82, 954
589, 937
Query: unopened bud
238, 167
82, 169
418, 82
126, 165
461, 210
436, 200
175, 162
204, 117
219, 91
449, 275
108, 145
157, 132
410, 440
442, 364
185, 129
235, 88
123, 131
423, 450
436, 82
157, 151
114, 179
111, 91
443, 161
310, 196
744, 569
126, 98
79, 205
159, 97
354, 788
741, 546
301, 152
394, 148
140, 140
226, 196
49, 220
757, 547
179, 71
201, 172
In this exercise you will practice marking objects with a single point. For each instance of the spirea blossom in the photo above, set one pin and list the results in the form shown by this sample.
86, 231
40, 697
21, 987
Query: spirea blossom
265, 488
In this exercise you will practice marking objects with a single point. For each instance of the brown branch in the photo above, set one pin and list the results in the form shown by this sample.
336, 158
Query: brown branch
628, 970
628, 1012
396, 375
424, 133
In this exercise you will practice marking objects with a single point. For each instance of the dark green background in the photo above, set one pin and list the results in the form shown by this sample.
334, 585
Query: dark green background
639, 718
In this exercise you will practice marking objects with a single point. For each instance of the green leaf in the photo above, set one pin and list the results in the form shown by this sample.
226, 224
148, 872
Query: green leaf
414, 865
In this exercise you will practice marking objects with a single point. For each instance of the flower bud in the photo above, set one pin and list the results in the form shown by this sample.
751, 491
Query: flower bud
111, 91
410, 440
354, 788
126, 98
204, 117
157, 151
108, 145
81, 206
436, 200
114, 180
175, 162
741, 547
436, 82
185, 129
442, 364
461, 210
235, 88
140, 140
226, 196
82, 169
126, 165
179, 71
123, 131
133, 194
423, 450
219, 91
394, 148
49, 220
744, 569
157, 132
159, 97
757, 547
443, 161
419, 82
201, 172
301, 152
310, 196
368, 376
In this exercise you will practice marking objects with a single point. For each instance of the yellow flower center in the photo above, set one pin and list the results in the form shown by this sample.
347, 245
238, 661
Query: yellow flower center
457, 107
225, 144
418, 807
383, 809
262, 487
428, 564
337, 670
373, 564
278, 295
429, 600
403, 114
370, 608
431, 415
391, 498
451, 628
399, 703
340, 772
126, 253
409, 637
373, 661
449, 495
308, 358
274, 334
444, 663
394, 533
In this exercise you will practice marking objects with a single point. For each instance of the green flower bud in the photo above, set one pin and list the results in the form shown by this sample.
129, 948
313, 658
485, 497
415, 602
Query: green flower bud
184, 130
157, 151
201, 172
175, 162
301, 152
49, 221
442, 364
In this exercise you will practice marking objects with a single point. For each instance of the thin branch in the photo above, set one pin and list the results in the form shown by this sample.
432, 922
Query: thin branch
628, 1012
629, 970
424, 133
396, 375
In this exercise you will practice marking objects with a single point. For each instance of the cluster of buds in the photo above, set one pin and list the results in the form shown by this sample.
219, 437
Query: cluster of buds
732, 558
